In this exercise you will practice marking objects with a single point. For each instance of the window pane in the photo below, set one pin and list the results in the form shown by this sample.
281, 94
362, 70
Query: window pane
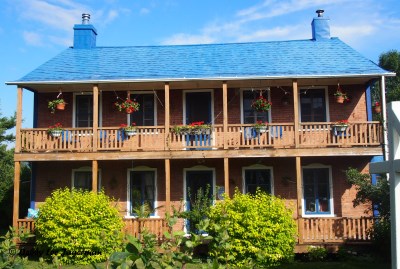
251, 116
84, 111
142, 189
257, 178
145, 115
83, 180
316, 190
312, 103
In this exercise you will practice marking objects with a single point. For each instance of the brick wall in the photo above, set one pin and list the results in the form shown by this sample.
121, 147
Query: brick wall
355, 110
53, 175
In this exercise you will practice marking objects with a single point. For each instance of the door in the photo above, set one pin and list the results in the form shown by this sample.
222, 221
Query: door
198, 107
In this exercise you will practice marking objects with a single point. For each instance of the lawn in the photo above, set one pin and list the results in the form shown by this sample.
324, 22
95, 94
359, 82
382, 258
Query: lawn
353, 263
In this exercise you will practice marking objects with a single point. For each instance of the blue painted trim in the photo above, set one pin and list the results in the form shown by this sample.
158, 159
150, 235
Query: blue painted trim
369, 105
35, 109
33, 185
374, 179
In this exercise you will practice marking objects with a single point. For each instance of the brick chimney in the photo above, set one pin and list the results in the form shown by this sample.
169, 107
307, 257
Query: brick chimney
320, 27
84, 34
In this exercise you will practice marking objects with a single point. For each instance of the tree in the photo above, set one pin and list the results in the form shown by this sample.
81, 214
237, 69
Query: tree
7, 174
389, 61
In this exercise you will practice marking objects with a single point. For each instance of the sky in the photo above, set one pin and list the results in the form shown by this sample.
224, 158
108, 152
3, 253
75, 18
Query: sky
34, 31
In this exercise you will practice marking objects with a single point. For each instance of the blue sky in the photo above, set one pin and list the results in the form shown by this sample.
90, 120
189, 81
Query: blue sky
33, 31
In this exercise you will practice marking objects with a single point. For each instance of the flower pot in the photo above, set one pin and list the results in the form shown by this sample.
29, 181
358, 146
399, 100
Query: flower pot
377, 109
55, 133
340, 128
130, 132
60, 106
261, 129
340, 99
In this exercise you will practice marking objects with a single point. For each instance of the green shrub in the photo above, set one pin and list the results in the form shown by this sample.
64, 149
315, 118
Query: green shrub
78, 227
259, 229
316, 254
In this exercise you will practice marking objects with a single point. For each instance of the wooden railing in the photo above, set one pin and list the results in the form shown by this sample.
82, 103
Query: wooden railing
238, 136
26, 225
317, 134
155, 226
331, 230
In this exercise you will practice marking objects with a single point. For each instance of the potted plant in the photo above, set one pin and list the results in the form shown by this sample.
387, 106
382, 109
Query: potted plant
199, 127
127, 105
340, 96
260, 126
180, 129
261, 104
341, 125
129, 129
58, 104
377, 107
55, 130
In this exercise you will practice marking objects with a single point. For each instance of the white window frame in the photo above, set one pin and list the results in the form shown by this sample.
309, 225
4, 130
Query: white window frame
241, 104
86, 169
326, 99
155, 105
184, 103
198, 168
128, 201
257, 167
331, 202
74, 107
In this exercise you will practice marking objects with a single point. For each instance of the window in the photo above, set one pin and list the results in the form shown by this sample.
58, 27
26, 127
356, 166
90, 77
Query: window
251, 116
198, 107
313, 105
84, 110
82, 179
257, 178
142, 189
146, 114
317, 191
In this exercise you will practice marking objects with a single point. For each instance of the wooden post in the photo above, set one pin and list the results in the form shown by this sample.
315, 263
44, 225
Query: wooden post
226, 176
296, 113
17, 179
18, 122
167, 185
225, 113
167, 118
95, 173
95, 116
299, 196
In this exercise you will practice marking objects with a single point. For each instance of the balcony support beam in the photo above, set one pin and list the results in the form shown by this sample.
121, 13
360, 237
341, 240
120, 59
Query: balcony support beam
17, 179
225, 111
18, 122
95, 115
296, 113
167, 111
226, 176
167, 185
299, 195
95, 173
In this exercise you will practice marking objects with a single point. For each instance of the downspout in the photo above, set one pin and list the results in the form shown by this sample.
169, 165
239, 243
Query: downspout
368, 97
384, 119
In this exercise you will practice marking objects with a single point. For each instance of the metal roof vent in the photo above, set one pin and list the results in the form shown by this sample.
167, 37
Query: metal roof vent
86, 18
320, 13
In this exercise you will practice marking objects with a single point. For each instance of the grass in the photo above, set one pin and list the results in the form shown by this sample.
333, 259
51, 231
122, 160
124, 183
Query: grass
361, 262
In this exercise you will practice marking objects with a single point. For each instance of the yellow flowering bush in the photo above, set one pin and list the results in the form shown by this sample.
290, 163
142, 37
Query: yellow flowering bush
259, 230
78, 227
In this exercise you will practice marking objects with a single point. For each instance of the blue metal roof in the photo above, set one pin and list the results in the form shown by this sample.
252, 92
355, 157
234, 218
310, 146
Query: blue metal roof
278, 59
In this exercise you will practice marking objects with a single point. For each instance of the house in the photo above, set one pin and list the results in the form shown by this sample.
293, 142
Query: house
299, 155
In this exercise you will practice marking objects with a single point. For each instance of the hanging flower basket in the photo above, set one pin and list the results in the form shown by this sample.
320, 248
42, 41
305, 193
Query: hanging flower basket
340, 96
377, 107
58, 104
128, 106
261, 104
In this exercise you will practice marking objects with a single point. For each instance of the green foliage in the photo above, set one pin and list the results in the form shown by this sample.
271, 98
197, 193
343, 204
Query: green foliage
259, 228
78, 227
391, 61
316, 254
9, 252
200, 204
379, 198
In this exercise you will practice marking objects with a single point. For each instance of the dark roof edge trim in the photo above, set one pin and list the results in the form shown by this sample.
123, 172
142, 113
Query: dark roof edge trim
389, 74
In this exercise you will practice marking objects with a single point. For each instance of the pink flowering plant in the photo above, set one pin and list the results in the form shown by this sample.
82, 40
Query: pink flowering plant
261, 104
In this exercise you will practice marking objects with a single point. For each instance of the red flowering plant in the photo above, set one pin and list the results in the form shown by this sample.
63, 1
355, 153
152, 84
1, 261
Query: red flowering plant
128, 128
341, 123
197, 127
261, 104
55, 127
377, 104
128, 105
260, 126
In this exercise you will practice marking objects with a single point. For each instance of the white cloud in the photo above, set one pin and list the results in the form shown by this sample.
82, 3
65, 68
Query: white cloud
144, 11
33, 38
277, 33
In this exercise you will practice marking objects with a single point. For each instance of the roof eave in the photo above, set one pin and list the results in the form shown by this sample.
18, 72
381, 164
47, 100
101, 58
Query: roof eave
388, 74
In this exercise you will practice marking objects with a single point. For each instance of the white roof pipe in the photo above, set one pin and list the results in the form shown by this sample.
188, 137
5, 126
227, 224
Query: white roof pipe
384, 119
